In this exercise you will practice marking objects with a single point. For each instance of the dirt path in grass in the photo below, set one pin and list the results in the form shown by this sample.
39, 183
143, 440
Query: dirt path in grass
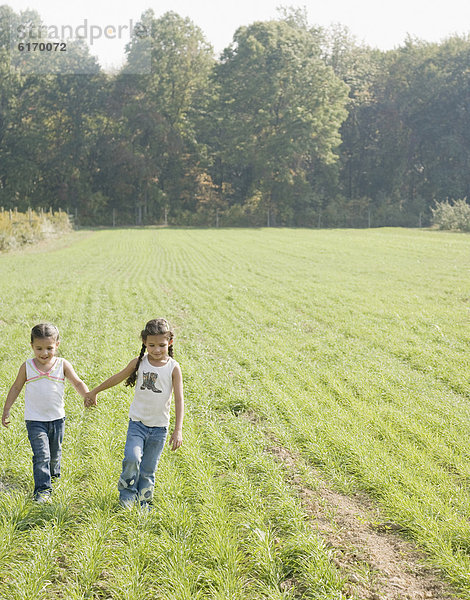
377, 563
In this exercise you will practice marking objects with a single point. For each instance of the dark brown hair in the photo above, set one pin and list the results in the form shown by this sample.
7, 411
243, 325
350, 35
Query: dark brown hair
153, 327
44, 330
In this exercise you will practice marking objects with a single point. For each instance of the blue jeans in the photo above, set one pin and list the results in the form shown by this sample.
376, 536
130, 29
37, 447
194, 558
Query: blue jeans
142, 451
45, 438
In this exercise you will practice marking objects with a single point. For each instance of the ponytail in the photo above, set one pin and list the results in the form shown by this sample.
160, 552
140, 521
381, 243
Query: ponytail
130, 381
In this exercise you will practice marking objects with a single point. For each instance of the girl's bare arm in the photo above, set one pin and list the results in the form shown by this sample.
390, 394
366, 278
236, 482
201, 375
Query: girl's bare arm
111, 381
176, 438
74, 379
13, 394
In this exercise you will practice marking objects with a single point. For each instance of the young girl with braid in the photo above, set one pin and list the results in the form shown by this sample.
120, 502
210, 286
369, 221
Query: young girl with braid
155, 375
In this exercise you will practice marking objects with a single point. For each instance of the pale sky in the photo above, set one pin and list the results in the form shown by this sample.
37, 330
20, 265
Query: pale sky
383, 25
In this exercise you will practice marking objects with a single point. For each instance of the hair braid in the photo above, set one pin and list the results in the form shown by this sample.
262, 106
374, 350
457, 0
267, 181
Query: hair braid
153, 327
130, 381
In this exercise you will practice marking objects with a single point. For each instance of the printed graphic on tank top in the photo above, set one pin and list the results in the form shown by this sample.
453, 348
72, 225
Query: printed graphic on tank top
149, 382
153, 390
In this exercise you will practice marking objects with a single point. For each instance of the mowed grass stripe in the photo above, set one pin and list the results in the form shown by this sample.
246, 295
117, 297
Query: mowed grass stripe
298, 326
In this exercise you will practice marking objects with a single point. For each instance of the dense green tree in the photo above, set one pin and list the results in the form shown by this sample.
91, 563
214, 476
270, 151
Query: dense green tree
45, 122
406, 141
280, 108
158, 107
50, 133
434, 105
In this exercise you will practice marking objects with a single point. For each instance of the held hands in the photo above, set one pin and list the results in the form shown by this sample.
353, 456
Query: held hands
89, 400
176, 439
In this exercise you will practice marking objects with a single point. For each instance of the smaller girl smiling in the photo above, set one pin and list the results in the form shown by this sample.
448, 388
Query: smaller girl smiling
44, 413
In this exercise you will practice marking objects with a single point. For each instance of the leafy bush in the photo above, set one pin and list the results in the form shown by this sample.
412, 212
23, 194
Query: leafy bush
454, 216
18, 229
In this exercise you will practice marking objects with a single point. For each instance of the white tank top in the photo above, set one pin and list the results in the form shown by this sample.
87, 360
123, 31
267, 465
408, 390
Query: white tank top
152, 398
44, 393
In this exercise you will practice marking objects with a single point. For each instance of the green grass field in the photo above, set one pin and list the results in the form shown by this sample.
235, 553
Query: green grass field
349, 348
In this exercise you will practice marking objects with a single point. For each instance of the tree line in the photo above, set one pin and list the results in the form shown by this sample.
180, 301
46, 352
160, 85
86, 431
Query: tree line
292, 125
